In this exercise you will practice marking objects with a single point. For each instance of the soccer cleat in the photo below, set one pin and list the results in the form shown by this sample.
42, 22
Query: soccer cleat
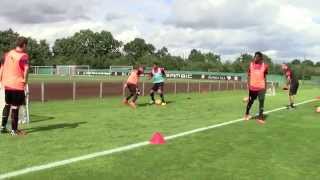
125, 102
18, 133
247, 117
3, 130
261, 121
152, 102
133, 105
163, 103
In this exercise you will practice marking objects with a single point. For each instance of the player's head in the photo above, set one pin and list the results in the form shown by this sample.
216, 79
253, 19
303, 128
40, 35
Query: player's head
258, 56
284, 67
22, 43
155, 65
140, 70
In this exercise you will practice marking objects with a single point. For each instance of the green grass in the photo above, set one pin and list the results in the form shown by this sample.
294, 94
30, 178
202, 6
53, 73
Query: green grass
285, 148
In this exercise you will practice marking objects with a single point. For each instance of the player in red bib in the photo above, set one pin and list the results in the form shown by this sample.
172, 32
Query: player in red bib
132, 86
14, 76
257, 83
292, 84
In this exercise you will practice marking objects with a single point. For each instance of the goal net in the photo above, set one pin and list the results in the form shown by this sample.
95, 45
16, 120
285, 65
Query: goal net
271, 88
120, 70
71, 70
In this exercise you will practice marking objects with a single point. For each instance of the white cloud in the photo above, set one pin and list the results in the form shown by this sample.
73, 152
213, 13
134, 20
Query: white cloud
282, 29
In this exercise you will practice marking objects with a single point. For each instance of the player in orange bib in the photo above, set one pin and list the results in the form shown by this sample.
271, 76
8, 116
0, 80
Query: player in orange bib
132, 86
13, 76
257, 83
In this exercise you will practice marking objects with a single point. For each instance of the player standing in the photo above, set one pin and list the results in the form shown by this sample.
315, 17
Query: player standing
158, 77
14, 76
292, 84
257, 83
132, 85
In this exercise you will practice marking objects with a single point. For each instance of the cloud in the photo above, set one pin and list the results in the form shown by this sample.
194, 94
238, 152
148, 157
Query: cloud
285, 29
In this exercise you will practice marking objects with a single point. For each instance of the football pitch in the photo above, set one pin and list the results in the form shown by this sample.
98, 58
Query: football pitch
285, 148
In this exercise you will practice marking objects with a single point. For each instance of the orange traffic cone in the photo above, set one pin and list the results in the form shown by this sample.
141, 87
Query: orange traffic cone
157, 139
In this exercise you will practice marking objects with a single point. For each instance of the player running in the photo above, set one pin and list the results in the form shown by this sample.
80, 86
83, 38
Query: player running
14, 76
132, 85
257, 83
292, 84
158, 77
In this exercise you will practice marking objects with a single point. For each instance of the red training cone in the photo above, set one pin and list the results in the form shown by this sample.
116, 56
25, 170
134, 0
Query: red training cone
157, 138
318, 97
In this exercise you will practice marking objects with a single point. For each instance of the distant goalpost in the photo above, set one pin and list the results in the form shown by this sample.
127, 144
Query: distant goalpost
271, 88
120, 70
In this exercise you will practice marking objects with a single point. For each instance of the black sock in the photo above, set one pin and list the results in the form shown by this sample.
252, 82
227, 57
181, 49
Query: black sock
249, 105
135, 97
261, 108
152, 96
129, 97
162, 97
15, 119
5, 115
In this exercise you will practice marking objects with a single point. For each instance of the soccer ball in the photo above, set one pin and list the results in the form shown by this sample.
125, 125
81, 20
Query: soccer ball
158, 102
318, 110
246, 99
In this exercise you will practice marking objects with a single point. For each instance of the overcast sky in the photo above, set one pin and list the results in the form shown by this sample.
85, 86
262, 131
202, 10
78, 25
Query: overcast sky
283, 29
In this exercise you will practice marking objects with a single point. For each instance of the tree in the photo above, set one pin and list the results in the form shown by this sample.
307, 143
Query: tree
137, 49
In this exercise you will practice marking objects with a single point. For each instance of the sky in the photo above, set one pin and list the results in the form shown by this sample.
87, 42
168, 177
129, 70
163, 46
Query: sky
283, 29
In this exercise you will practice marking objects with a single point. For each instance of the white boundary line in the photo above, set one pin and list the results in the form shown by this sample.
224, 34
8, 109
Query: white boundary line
125, 148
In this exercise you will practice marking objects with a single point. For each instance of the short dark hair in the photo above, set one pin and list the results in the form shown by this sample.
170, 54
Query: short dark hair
259, 54
21, 42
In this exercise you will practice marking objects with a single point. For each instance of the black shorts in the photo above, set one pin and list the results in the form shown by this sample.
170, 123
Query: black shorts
15, 97
158, 86
293, 89
253, 95
133, 89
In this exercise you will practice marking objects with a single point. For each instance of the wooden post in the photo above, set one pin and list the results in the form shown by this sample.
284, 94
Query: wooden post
143, 88
175, 87
227, 85
42, 92
199, 86
219, 87
101, 90
234, 85
188, 87
74, 91
210, 86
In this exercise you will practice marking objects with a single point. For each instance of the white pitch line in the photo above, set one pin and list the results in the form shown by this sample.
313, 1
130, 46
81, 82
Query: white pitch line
125, 148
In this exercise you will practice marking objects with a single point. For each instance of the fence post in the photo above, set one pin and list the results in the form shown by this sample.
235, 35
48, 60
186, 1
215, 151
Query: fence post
234, 85
219, 86
101, 90
175, 87
210, 86
199, 86
227, 85
74, 90
42, 92
143, 88
188, 86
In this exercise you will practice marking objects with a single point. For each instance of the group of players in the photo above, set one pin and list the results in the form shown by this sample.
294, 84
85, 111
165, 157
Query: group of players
157, 75
257, 85
14, 76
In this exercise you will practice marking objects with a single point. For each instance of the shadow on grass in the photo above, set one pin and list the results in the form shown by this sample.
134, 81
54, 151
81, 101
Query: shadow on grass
37, 118
54, 127
148, 104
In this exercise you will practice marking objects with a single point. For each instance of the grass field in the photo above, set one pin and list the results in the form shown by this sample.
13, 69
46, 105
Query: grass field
285, 148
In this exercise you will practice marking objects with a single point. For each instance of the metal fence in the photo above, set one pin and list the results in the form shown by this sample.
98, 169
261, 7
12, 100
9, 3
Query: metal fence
79, 90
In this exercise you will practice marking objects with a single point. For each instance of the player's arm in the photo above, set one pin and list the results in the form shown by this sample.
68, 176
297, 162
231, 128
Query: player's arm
163, 72
266, 72
248, 79
1, 67
24, 64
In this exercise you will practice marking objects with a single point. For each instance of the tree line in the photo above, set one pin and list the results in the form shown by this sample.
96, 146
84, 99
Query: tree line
101, 49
